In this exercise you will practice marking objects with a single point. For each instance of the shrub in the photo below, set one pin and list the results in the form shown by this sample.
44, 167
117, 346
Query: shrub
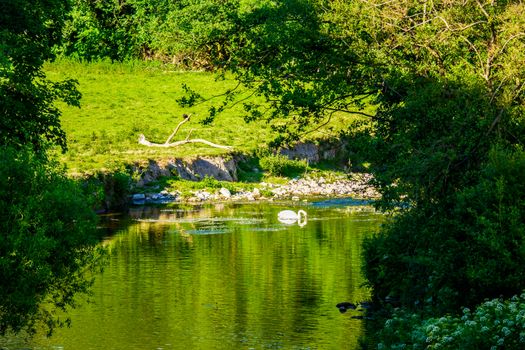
495, 324
279, 165
441, 256
209, 182
47, 241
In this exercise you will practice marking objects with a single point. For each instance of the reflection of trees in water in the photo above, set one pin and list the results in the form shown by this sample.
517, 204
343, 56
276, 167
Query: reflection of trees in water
249, 287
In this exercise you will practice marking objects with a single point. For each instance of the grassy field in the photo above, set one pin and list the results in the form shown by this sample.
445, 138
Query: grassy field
120, 101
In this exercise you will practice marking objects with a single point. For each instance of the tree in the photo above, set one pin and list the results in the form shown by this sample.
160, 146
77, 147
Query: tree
47, 241
450, 120
28, 31
286, 53
449, 97
185, 32
47, 226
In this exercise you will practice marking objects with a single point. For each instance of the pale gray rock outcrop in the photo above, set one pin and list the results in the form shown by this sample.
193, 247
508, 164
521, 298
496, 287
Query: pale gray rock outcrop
188, 169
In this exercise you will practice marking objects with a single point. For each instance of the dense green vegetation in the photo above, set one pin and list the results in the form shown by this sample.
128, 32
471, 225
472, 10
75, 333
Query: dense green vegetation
187, 33
27, 34
48, 241
495, 323
47, 226
446, 142
120, 101
439, 84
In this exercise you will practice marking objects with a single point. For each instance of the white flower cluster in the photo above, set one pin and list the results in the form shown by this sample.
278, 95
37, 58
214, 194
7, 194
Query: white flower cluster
495, 324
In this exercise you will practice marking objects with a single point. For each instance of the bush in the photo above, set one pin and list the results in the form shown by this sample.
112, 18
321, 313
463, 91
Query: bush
439, 257
47, 241
209, 182
495, 324
187, 32
279, 165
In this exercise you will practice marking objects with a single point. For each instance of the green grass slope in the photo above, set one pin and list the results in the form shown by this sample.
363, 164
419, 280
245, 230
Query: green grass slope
120, 101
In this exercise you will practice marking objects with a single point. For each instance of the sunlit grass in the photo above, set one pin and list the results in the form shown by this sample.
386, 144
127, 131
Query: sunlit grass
120, 101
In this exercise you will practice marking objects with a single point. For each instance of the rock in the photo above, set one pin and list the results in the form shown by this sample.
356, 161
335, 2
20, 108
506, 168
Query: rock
138, 198
256, 193
219, 168
306, 151
202, 195
225, 192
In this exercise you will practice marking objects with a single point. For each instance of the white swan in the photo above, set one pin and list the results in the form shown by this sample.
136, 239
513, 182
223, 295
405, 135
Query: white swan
291, 217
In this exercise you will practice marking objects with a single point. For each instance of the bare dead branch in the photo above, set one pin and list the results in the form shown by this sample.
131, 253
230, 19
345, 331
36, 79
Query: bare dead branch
186, 118
189, 134
145, 142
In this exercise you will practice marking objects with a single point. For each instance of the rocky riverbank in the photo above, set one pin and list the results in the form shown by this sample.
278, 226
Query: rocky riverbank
355, 186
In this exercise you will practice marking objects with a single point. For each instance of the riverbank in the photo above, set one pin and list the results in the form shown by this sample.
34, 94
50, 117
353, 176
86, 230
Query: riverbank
355, 185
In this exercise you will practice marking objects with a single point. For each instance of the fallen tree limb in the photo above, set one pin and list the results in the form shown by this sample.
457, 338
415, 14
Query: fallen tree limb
145, 142
186, 118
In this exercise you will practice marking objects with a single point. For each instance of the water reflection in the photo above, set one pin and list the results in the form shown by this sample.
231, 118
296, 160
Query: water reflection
225, 277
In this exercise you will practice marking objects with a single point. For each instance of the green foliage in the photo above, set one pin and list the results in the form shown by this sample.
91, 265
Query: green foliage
47, 243
196, 33
187, 32
110, 189
446, 131
446, 138
282, 52
102, 29
280, 165
186, 187
495, 324
28, 115
439, 258
209, 182
441, 111
248, 169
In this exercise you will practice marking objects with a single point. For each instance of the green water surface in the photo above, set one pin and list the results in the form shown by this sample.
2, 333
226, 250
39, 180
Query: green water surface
226, 276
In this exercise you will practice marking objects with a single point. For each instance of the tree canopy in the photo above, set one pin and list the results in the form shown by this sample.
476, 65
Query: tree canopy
28, 32
444, 79
448, 130
47, 241
47, 226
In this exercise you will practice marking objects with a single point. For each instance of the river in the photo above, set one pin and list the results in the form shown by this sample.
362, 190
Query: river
224, 276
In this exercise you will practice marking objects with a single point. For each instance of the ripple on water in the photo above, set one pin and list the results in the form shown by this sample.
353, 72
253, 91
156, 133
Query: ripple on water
341, 202
237, 220
207, 231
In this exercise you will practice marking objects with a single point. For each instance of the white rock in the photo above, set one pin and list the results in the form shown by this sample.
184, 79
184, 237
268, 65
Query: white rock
225, 192
203, 195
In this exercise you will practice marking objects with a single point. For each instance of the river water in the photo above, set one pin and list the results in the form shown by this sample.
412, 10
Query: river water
224, 276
